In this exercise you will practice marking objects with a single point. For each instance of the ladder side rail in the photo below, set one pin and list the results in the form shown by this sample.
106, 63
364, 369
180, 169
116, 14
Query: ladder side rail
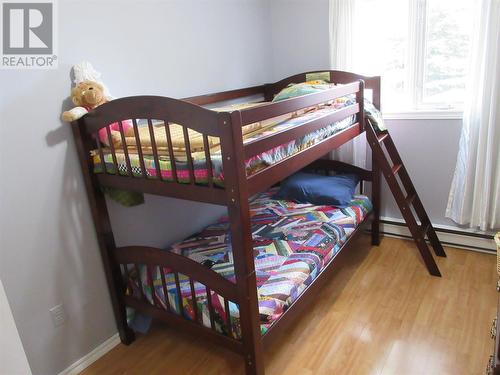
390, 173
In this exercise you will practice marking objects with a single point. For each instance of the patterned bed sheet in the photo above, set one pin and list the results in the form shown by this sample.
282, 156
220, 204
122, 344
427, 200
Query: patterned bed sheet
252, 164
292, 244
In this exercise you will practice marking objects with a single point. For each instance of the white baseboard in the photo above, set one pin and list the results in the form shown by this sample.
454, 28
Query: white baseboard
448, 236
93, 356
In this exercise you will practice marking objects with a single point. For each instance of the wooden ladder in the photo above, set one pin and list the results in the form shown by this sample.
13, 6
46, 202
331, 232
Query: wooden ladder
392, 167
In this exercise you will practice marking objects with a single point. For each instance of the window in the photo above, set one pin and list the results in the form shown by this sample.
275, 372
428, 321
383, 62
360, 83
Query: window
419, 47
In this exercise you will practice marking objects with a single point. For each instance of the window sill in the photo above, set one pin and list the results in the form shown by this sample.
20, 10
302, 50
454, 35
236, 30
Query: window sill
423, 115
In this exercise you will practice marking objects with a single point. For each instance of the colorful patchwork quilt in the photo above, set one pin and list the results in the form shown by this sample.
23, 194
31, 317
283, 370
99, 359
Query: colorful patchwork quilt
292, 244
252, 164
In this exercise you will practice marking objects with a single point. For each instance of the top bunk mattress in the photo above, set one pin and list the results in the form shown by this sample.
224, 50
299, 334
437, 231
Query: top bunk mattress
292, 244
251, 133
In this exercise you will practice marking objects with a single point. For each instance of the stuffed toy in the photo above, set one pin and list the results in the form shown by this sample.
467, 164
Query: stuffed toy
86, 95
90, 92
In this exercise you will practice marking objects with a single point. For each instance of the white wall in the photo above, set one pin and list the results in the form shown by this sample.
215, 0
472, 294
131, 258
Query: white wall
13, 360
429, 151
299, 35
48, 250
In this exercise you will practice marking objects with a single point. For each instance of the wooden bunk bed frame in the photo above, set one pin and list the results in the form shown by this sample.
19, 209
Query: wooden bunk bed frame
235, 194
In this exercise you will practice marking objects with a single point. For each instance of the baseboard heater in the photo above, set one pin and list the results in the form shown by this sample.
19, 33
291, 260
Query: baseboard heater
482, 242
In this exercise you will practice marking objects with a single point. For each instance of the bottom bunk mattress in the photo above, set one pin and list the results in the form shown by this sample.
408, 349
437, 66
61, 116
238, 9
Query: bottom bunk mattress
292, 244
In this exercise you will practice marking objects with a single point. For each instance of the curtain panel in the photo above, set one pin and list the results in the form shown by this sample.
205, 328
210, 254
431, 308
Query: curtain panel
474, 198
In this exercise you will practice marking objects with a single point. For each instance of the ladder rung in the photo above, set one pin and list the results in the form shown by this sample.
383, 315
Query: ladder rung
382, 137
410, 198
424, 229
396, 168
407, 199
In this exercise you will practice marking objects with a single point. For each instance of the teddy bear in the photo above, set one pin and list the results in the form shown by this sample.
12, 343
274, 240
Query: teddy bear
90, 92
86, 95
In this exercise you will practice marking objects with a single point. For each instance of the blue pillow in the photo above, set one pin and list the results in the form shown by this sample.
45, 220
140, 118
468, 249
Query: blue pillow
312, 188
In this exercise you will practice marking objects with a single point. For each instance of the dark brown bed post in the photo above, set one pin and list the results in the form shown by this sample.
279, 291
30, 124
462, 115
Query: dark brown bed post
268, 92
376, 202
235, 182
104, 232
376, 179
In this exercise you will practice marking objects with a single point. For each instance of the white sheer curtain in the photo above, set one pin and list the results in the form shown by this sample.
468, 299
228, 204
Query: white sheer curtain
342, 13
341, 33
474, 198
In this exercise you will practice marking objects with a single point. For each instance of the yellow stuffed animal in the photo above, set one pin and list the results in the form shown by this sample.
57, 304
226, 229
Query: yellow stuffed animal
86, 95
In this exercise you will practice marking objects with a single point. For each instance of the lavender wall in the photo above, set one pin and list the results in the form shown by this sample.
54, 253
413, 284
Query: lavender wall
48, 249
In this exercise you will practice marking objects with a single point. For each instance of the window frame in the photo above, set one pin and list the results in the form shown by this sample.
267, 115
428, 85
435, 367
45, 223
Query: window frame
415, 70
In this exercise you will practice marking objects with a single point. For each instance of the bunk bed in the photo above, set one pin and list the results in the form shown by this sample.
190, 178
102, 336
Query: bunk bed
216, 164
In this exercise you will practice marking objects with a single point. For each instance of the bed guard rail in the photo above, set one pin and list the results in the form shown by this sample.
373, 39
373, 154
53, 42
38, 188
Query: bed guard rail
180, 291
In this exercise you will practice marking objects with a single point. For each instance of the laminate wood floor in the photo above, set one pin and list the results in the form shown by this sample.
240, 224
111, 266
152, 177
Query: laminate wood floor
380, 315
